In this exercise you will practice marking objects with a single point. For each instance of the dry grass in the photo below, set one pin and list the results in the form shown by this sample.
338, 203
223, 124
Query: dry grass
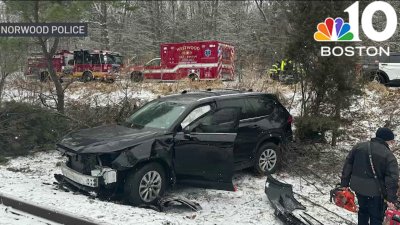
169, 88
375, 86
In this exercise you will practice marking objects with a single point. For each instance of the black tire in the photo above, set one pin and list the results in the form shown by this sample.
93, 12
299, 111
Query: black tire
87, 76
136, 76
44, 76
193, 77
378, 77
268, 157
133, 188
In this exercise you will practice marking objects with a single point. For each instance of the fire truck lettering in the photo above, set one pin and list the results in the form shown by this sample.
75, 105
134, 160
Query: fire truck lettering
188, 48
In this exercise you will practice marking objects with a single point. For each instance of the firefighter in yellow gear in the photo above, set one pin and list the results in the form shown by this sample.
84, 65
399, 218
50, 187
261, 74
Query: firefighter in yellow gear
278, 69
285, 70
274, 71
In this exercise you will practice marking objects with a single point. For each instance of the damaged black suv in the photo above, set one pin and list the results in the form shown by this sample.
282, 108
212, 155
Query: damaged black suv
199, 138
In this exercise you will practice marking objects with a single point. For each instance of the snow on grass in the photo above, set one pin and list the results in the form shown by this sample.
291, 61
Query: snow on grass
31, 178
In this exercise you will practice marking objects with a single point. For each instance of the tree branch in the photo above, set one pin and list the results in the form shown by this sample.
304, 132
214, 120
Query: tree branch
259, 5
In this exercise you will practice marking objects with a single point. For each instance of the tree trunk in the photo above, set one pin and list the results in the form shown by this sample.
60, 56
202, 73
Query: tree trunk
335, 130
173, 7
48, 54
53, 75
104, 29
2, 83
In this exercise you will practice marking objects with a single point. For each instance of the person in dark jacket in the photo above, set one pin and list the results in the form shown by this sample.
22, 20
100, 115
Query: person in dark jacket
358, 175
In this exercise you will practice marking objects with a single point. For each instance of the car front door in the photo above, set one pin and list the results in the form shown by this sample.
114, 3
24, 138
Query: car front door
203, 152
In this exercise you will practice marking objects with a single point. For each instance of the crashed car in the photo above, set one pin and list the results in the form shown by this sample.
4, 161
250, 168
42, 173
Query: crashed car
199, 138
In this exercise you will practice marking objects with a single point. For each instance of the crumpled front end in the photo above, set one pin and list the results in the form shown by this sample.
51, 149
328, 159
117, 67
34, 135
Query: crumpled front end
93, 168
88, 172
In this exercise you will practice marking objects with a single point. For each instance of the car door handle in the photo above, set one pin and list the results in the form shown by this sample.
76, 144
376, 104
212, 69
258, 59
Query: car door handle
384, 64
188, 136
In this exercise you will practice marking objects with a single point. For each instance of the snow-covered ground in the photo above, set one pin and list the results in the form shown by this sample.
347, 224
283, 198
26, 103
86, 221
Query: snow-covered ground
31, 178
9, 216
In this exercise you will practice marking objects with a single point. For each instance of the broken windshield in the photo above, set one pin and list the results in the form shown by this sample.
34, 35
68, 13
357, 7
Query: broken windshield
156, 114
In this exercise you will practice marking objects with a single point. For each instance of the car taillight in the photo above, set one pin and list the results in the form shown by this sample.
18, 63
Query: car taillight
290, 119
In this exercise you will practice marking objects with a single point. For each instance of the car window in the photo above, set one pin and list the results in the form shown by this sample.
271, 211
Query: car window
236, 102
156, 114
154, 62
395, 59
196, 113
220, 121
256, 107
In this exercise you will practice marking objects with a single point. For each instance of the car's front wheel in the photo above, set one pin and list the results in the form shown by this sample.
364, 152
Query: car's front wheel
267, 159
145, 185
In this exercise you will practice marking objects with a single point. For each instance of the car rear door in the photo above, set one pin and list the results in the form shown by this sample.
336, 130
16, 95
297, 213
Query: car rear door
258, 117
203, 152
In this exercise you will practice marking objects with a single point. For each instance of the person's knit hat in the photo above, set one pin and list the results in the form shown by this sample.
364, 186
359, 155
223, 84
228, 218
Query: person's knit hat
385, 133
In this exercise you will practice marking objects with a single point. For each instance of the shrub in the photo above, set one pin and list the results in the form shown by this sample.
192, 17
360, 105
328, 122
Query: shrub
314, 128
25, 128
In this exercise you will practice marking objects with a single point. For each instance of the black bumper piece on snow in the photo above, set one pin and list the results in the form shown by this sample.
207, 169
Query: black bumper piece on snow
282, 199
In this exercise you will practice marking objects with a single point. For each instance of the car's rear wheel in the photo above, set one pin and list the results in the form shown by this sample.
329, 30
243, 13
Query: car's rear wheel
145, 185
87, 76
268, 158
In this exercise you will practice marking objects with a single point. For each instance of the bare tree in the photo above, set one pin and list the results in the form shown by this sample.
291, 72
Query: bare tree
40, 11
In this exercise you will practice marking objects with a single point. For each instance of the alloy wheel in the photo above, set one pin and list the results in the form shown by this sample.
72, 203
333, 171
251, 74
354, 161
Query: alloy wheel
267, 160
150, 186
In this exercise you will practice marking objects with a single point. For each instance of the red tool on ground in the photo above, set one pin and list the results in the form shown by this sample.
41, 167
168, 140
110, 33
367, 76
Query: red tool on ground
392, 217
344, 198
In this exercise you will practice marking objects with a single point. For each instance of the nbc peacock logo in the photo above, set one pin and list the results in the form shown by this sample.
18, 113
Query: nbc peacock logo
333, 30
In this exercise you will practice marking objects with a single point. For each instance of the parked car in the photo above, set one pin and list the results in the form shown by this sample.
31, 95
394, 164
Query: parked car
199, 138
383, 69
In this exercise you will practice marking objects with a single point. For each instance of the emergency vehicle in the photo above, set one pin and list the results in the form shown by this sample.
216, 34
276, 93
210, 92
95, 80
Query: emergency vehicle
84, 64
200, 60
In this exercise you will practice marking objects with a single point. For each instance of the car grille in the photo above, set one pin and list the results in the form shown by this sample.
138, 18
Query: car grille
83, 163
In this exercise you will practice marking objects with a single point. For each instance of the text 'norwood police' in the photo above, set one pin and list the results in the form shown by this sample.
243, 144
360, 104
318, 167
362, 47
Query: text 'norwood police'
43, 29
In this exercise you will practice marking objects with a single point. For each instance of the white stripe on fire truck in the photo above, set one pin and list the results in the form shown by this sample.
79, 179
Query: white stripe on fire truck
181, 66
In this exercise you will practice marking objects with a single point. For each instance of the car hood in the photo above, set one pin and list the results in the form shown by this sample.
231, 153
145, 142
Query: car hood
105, 139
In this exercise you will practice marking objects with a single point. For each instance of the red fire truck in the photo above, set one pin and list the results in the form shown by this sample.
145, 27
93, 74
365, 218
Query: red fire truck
200, 60
83, 64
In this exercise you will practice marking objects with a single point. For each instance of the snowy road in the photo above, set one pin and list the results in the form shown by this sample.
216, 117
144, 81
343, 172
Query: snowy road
11, 216
31, 178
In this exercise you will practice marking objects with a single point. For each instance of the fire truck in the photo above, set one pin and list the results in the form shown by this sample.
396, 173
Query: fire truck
86, 65
200, 60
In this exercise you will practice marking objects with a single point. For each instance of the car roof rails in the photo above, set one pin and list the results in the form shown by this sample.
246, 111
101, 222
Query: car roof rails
207, 91
224, 89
